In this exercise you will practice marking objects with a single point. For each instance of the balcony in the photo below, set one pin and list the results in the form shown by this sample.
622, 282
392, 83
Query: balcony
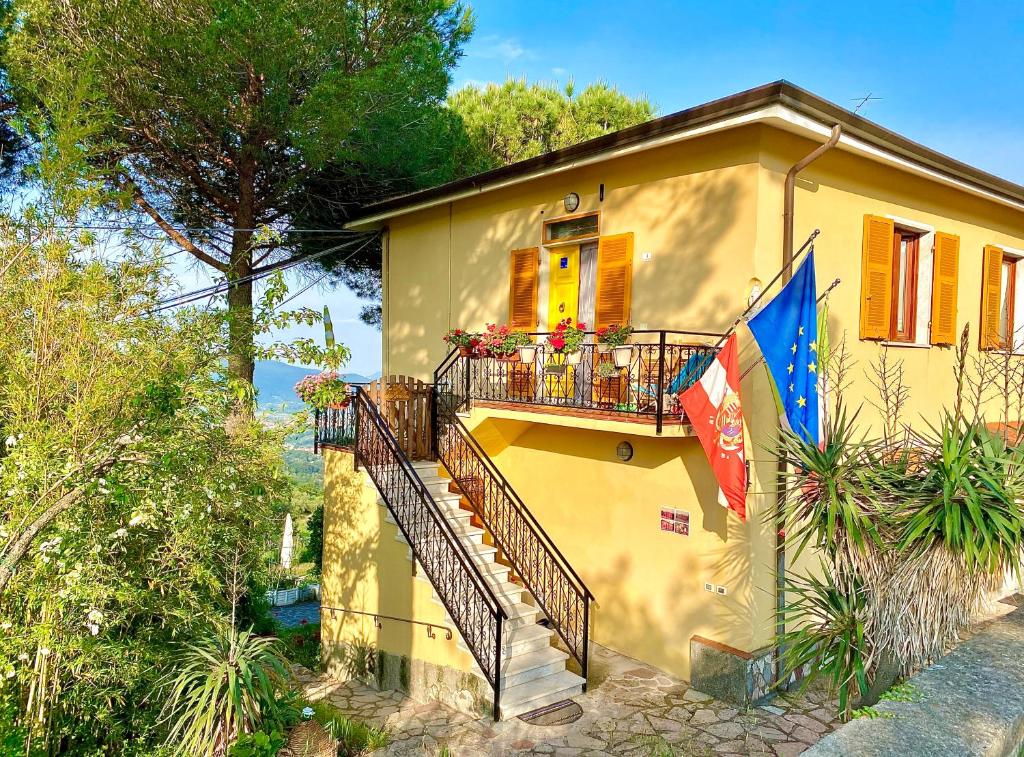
638, 384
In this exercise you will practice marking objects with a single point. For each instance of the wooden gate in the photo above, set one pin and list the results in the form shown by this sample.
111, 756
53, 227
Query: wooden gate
405, 403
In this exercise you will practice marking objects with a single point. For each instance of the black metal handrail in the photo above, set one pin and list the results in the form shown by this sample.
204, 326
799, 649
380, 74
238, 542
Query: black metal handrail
642, 379
535, 558
459, 584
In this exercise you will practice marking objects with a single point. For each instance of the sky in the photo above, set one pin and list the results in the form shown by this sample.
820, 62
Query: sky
949, 75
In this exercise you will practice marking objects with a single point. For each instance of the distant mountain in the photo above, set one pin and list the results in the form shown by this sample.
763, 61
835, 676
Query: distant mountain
275, 384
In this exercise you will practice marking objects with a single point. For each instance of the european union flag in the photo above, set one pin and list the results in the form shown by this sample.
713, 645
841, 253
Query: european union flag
787, 332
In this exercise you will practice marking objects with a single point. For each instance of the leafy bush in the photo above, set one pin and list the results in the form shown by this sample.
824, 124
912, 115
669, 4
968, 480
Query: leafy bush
313, 550
302, 644
353, 737
257, 744
227, 683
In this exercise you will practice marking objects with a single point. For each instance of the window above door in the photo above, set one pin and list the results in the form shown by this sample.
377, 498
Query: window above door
572, 228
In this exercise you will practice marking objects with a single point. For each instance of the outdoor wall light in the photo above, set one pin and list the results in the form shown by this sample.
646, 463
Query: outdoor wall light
754, 288
571, 202
624, 452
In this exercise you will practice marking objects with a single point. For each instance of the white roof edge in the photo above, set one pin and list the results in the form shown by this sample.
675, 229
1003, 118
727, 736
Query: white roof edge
776, 115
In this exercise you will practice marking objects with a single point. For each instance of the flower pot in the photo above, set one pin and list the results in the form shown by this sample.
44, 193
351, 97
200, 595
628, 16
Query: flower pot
603, 349
528, 353
555, 369
465, 351
573, 358
512, 357
622, 355
339, 405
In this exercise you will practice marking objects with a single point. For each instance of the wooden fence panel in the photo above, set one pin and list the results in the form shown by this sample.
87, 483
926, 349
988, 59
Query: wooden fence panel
405, 403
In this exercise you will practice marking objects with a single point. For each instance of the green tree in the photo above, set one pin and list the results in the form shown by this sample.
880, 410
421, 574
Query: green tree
137, 507
224, 116
509, 122
482, 128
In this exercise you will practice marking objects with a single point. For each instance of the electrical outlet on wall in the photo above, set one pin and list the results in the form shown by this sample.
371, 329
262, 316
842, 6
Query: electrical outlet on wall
721, 590
708, 586
646, 257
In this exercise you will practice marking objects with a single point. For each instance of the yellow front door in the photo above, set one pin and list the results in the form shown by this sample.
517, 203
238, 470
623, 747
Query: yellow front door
563, 302
564, 287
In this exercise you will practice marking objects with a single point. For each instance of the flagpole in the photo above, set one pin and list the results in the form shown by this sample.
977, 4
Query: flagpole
809, 243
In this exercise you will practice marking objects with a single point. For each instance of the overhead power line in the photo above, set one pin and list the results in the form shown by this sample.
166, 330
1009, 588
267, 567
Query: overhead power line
260, 273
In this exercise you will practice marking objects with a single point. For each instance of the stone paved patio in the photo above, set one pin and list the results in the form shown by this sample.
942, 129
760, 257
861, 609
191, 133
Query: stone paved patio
627, 701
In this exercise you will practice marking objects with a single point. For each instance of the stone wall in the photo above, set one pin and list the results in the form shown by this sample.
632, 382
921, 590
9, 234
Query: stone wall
971, 702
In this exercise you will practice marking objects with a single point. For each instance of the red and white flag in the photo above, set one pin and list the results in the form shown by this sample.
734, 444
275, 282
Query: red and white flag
713, 407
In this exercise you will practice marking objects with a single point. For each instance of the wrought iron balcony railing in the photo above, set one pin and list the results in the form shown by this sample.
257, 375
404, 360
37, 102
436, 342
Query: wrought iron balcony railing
641, 380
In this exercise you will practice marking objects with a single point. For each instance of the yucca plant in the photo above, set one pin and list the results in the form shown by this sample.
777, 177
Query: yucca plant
967, 497
223, 685
830, 497
828, 636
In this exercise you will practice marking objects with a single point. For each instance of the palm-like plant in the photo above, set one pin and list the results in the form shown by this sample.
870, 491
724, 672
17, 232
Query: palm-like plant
967, 496
828, 636
830, 497
225, 684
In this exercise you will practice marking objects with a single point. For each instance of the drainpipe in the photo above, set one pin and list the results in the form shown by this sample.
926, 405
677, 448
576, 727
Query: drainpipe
787, 267
788, 201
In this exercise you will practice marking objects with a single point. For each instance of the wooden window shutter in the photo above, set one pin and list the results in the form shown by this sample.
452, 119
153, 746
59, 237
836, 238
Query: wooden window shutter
991, 280
945, 271
876, 278
614, 280
522, 290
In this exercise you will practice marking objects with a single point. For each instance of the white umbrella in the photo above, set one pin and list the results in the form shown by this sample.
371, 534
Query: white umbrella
286, 543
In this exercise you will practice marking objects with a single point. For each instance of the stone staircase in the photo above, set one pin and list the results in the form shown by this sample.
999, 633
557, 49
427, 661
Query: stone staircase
533, 671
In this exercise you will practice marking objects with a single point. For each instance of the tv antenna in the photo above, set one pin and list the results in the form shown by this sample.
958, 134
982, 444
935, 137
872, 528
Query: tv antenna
862, 101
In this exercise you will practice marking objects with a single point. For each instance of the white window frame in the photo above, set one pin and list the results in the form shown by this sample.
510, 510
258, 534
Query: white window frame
1018, 307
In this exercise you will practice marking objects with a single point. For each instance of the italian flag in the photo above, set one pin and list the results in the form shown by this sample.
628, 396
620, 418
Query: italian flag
713, 407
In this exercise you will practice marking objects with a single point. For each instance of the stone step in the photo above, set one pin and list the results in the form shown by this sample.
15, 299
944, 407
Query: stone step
529, 666
520, 641
524, 697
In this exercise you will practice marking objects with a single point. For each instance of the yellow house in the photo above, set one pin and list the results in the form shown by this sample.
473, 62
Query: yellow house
558, 501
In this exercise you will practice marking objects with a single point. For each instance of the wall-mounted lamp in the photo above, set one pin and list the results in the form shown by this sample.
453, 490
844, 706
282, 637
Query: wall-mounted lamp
754, 289
624, 452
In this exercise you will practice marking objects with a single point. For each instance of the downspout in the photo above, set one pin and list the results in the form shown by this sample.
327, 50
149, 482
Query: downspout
788, 204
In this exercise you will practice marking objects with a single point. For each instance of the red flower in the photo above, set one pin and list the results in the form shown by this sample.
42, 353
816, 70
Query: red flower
557, 342
581, 326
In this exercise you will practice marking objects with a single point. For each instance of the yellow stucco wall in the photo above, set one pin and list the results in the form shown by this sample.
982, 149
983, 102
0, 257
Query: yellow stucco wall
692, 206
710, 211
367, 569
833, 195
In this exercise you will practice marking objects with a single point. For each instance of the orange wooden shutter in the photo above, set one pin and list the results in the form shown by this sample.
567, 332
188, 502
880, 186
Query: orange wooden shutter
614, 280
991, 280
945, 271
876, 278
522, 289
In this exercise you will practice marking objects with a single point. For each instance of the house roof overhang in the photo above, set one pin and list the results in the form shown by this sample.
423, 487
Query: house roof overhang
780, 104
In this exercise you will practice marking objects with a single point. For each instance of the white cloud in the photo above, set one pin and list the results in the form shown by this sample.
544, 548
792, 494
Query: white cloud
505, 49
559, 72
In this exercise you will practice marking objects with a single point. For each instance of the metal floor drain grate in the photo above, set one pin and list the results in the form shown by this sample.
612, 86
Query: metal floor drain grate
559, 713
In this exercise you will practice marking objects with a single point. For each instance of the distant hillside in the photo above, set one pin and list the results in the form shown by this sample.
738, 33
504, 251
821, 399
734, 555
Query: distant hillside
275, 384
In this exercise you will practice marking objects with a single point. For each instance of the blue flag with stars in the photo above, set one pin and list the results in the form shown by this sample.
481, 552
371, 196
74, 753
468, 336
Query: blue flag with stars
786, 330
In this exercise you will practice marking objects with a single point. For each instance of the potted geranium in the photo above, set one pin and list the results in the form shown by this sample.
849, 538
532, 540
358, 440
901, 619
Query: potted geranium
504, 343
467, 342
324, 390
567, 339
614, 338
